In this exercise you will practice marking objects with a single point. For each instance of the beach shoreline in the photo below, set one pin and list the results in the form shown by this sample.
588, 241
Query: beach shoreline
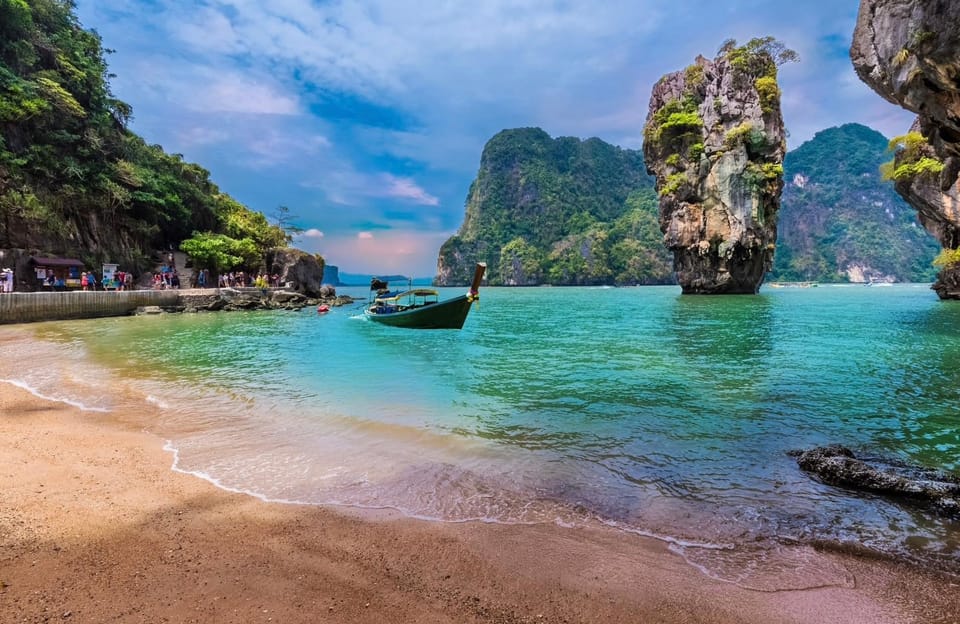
97, 527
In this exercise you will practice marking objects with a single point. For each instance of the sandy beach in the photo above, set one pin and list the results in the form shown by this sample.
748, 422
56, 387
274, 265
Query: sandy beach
96, 527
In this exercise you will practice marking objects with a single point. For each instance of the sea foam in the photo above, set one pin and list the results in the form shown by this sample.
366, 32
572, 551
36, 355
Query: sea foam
46, 397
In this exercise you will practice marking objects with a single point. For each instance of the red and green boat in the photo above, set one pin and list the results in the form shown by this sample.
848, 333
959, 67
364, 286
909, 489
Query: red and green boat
421, 308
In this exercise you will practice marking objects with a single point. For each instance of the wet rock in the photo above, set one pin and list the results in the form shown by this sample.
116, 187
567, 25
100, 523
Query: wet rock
286, 297
838, 465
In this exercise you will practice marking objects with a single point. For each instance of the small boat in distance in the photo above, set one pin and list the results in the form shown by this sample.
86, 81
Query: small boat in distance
421, 308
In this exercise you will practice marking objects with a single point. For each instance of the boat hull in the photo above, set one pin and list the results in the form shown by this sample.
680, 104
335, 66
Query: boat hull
449, 314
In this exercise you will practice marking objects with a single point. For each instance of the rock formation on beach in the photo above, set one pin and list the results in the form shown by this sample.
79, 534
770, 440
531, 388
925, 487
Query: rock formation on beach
714, 138
837, 465
301, 270
908, 51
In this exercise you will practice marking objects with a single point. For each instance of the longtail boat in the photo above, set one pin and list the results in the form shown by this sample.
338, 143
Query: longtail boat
421, 308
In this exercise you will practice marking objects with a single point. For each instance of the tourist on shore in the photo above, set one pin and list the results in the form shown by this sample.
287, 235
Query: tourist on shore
7, 280
84, 281
127, 280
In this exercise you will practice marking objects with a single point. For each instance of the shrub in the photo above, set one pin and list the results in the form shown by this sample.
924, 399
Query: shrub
925, 167
769, 93
763, 176
693, 77
673, 183
676, 117
947, 258
745, 134
912, 159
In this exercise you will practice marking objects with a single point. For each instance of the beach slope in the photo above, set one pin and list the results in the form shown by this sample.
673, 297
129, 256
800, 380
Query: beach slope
96, 527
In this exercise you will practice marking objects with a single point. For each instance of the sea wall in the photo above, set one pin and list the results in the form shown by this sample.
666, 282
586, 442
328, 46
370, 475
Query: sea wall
28, 307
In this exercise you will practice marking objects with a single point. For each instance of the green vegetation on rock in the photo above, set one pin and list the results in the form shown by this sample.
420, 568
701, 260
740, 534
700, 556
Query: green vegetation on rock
74, 180
838, 218
558, 211
947, 258
913, 158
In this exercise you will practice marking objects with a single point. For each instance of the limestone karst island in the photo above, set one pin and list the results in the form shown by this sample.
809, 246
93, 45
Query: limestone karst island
479, 313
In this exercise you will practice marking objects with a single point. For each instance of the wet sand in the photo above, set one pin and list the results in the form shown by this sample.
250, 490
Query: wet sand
96, 527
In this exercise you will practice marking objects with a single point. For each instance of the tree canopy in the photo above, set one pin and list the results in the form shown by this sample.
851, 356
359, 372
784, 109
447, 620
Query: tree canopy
73, 178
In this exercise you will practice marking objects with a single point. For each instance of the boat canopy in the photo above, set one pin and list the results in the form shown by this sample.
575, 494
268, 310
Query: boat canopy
417, 292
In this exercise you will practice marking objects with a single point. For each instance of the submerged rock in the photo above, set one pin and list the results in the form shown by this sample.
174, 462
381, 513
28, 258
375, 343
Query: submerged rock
908, 51
837, 465
714, 139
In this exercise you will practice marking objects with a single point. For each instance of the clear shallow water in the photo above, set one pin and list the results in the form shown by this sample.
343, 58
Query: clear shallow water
638, 408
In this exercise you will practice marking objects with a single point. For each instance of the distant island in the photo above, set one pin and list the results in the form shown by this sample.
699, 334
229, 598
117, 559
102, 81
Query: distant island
333, 277
571, 212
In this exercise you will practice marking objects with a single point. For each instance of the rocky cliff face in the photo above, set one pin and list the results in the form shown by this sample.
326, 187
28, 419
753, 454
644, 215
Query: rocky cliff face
560, 211
302, 271
908, 51
714, 139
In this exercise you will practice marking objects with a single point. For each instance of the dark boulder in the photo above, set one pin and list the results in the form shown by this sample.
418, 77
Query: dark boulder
837, 465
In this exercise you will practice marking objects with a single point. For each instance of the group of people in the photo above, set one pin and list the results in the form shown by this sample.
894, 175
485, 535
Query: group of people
6, 281
88, 281
240, 279
166, 278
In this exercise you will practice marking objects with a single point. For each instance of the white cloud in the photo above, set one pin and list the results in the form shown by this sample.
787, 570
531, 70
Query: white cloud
191, 86
312, 233
191, 136
365, 235
407, 189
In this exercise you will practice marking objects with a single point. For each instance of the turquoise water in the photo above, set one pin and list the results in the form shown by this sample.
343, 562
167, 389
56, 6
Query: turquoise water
637, 408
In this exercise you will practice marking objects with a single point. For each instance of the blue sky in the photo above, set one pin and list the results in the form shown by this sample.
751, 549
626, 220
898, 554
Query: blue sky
367, 118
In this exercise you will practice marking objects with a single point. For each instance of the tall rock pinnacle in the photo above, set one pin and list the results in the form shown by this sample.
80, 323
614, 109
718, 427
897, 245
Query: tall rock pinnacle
908, 51
714, 139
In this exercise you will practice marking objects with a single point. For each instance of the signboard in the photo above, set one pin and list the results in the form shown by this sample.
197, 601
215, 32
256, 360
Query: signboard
109, 273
